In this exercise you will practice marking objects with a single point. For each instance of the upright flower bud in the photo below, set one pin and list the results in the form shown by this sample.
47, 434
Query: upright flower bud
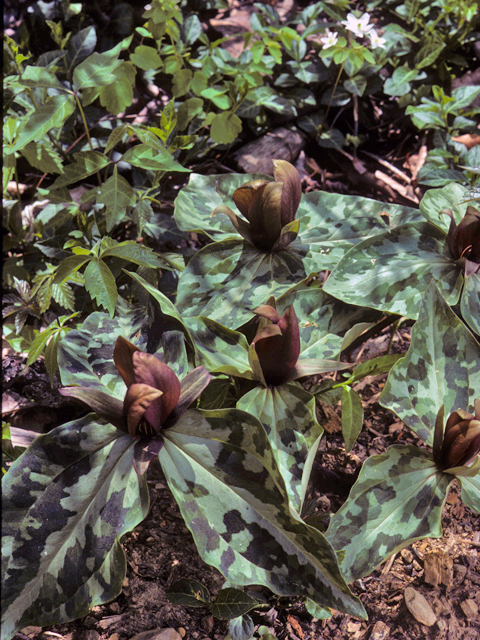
464, 239
277, 345
269, 208
460, 444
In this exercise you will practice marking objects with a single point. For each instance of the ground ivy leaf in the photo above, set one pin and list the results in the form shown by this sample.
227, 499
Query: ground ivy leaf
398, 498
67, 501
440, 367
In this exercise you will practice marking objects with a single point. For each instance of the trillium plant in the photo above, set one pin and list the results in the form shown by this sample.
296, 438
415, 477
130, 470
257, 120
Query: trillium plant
215, 393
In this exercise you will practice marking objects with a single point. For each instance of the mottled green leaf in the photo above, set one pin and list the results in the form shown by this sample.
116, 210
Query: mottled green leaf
221, 471
43, 119
391, 271
287, 413
398, 498
470, 302
352, 416
85, 355
440, 367
471, 492
226, 280
231, 603
241, 628
449, 197
67, 501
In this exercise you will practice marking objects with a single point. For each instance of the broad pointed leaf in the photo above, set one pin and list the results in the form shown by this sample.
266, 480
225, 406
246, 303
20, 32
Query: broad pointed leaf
226, 280
220, 469
67, 501
96, 70
391, 271
352, 416
231, 603
136, 253
440, 367
100, 284
188, 593
85, 355
287, 413
43, 119
146, 157
398, 498
85, 163
118, 196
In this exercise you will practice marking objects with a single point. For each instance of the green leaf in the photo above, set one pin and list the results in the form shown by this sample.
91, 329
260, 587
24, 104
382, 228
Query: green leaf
399, 83
85, 163
356, 85
440, 367
187, 112
68, 267
43, 119
241, 628
374, 367
352, 416
96, 71
81, 45
391, 271
231, 603
226, 280
146, 58
136, 253
218, 349
470, 302
39, 77
85, 355
188, 593
67, 501
145, 157
471, 492
226, 127
118, 196
219, 466
287, 413
100, 284
43, 157
118, 96
398, 498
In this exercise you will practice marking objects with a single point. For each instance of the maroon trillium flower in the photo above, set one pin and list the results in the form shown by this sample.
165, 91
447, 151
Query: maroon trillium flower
464, 239
155, 397
274, 352
268, 208
459, 444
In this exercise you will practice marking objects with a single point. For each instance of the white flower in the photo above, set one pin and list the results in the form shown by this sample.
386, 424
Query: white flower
358, 26
376, 40
329, 38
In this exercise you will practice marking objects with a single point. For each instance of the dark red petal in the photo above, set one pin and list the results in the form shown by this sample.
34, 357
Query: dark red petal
150, 370
122, 357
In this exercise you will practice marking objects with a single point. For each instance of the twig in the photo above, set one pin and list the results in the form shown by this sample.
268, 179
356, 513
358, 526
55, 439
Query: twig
392, 167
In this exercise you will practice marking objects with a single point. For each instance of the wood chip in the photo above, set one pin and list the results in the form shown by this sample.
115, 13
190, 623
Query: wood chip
470, 608
438, 568
419, 607
380, 631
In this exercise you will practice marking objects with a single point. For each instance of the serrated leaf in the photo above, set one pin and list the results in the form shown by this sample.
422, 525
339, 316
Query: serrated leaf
63, 295
50, 115
398, 498
43, 157
146, 157
188, 593
116, 136
67, 501
352, 416
117, 195
69, 267
84, 164
100, 284
231, 603
38, 344
287, 413
51, 351
81, 45
238, 512
440, 368
95, 71
136, 253
118, 96
391, 271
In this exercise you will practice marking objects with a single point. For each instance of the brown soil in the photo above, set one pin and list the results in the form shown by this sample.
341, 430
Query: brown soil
161, 550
